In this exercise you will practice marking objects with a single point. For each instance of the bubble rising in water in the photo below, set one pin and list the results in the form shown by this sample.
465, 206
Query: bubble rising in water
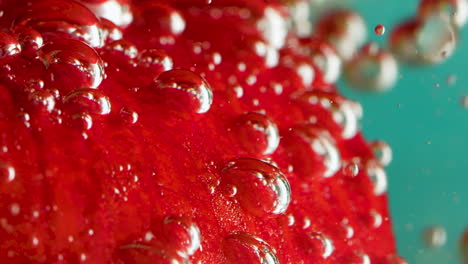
261, 187
435, 236
463, 246
344, 29
240, 247
454, 10
190, 83
372, 69
379, 30
257, 133
428, 41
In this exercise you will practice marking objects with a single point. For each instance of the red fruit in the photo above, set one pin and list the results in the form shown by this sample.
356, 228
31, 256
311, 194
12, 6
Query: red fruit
148, 142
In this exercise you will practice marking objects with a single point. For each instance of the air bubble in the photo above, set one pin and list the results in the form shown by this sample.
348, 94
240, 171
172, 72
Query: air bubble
58, 18
116, 11
454, 10
82, 121
9, 46
382, 152
245, 248
427, 41
190, 83
372, 69
128, 115
435, 236
154, 57
15, 209
379, 30
350, 169
343, 111
7, 172
257, 133
344, 29
267, 52
162, 19
463, 246
43, 100
30, 39
307, 73
320, 244
376, 219
378, 177
89, 101
325, 156
273, 27
182, 236
325, 57
261, 188
110, 31
124, 47
72, 64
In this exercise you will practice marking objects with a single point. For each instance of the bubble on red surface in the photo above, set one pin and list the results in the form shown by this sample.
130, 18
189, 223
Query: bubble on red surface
194, 86
257, 133
63, 18
72, 64
261, 187
244, 248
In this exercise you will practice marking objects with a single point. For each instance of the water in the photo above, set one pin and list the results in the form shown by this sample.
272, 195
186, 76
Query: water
427, 182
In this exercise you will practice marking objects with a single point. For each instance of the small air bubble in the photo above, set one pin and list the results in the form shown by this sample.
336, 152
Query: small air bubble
15, 209
435, 236
379, 30
464, 101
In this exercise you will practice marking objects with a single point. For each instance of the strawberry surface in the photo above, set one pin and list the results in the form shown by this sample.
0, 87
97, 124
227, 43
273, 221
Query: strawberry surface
179, 131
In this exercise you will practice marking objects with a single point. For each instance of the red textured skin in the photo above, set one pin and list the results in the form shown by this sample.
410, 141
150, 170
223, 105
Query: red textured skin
71, 179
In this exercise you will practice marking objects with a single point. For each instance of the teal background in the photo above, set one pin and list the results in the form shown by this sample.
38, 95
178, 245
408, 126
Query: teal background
427, 128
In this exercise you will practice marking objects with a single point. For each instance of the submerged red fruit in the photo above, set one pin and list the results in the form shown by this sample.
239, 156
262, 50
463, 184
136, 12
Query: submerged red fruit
179, 132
